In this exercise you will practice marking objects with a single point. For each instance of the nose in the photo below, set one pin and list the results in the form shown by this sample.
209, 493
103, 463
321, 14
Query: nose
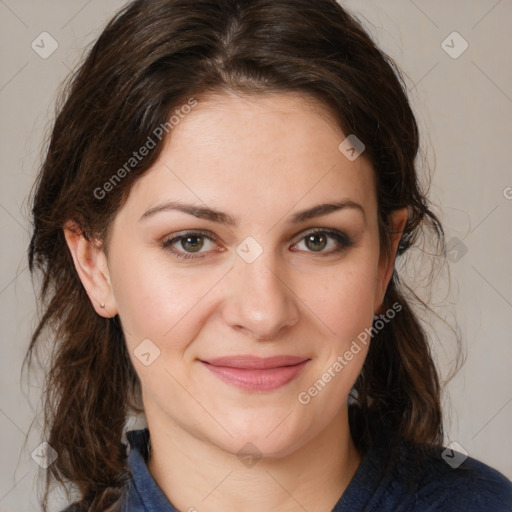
260, 299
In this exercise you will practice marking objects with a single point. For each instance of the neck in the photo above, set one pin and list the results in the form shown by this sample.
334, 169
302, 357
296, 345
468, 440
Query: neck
196, 475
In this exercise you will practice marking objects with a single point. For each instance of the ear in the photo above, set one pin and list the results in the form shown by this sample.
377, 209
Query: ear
397, 221
91, 265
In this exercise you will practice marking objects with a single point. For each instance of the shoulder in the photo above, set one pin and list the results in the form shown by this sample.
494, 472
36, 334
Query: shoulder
448, 481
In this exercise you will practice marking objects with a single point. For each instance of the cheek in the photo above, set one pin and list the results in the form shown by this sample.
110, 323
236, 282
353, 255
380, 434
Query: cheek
169, 305
158, 300
342, 300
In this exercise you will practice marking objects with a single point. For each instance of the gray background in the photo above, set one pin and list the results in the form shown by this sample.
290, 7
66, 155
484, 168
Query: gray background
464, 107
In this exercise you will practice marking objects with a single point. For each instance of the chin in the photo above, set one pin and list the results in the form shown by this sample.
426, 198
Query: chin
260, 441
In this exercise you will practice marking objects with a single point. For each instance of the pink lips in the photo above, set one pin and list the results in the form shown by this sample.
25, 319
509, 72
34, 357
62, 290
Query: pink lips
255, 373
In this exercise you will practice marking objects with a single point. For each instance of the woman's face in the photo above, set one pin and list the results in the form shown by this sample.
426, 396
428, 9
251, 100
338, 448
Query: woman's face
247, 278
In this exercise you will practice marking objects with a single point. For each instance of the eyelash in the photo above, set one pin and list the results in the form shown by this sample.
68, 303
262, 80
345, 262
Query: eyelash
342, 238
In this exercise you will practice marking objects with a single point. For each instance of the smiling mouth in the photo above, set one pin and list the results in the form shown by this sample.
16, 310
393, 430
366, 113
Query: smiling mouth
256, 374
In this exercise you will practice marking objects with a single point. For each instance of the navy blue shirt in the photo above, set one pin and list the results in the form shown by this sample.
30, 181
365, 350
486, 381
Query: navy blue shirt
387, 480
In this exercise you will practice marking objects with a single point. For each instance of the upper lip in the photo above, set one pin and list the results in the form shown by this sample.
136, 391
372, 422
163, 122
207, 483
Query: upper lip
253, 362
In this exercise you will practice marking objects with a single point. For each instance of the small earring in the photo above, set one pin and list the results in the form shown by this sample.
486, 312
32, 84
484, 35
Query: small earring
102, 306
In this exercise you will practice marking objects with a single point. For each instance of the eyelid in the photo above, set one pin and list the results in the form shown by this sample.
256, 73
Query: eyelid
194, 232
168, 242
344, 241
328, 231
212, 236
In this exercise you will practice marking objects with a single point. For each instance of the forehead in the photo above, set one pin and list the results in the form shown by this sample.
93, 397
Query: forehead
254, 152
277, 121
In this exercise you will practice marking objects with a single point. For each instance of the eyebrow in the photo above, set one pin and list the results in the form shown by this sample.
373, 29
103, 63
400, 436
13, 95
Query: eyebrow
227, 220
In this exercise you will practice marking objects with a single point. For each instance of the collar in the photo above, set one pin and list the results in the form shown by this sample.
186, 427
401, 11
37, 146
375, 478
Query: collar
144, 494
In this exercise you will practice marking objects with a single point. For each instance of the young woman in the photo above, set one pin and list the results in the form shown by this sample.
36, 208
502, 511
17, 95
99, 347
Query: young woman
226, 189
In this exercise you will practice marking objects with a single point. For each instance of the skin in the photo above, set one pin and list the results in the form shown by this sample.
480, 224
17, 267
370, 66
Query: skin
260, 160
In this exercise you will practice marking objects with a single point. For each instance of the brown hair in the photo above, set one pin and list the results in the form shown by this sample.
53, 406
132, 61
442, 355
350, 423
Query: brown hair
152, 58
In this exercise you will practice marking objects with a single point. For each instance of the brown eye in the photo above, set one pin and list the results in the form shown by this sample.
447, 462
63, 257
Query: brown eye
188, 244
192, 243
319, 240
316, 241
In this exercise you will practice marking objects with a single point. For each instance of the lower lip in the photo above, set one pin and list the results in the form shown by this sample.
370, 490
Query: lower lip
257, 380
